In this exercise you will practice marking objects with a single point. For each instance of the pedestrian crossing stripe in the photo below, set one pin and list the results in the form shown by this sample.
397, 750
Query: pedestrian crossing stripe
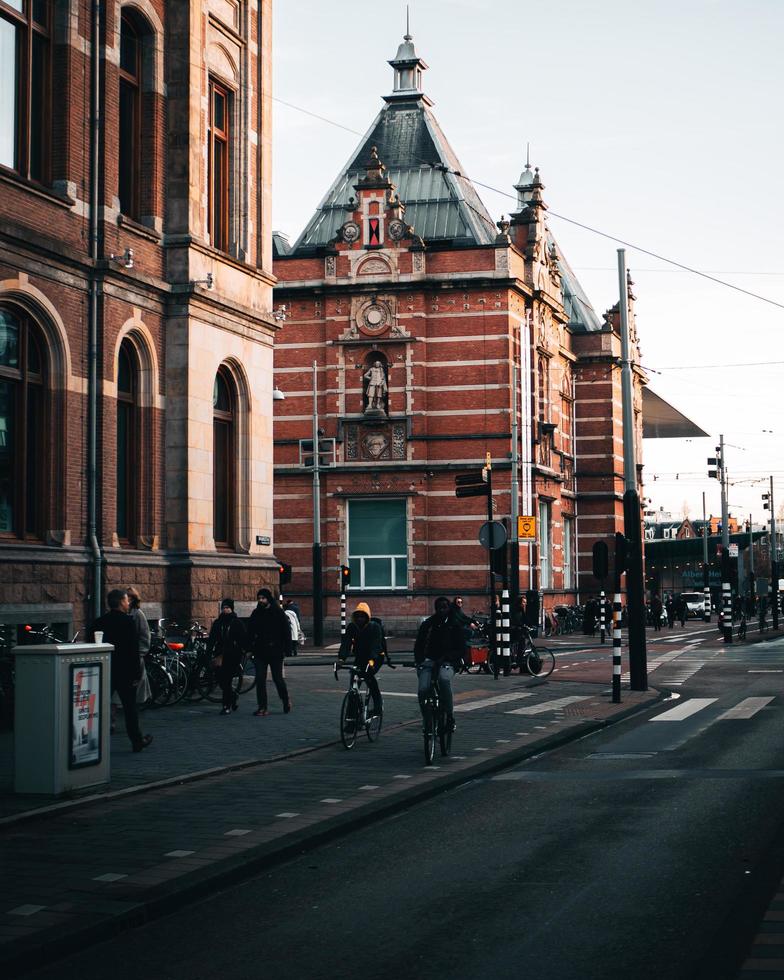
556, 705
685, 710
742, 711
746, 708
489, 702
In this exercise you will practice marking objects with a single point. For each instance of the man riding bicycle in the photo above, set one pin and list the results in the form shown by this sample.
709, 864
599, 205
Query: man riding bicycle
440, 645
364, 639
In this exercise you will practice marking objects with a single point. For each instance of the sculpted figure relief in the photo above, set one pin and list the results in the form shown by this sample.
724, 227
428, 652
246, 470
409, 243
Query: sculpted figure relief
376, 388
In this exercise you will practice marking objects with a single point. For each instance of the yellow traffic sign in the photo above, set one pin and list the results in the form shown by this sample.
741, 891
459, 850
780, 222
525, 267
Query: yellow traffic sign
526, 527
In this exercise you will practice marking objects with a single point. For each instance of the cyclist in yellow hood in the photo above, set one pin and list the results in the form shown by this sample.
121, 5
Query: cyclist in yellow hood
364, 640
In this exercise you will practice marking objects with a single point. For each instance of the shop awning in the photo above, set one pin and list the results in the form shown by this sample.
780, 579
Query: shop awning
660, 420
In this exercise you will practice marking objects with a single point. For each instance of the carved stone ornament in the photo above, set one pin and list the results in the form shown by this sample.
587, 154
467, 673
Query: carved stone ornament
330, 266
419, 261
373, 267
374, 318
387, 441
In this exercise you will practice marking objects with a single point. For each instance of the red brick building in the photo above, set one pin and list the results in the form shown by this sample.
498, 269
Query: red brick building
135, 305
437, 334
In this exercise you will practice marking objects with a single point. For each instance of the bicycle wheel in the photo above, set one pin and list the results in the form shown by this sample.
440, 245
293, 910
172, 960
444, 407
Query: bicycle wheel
207, 683
429, 732
540, 661
349, 719
444, 734
372, 722
160, 684
246, 679
179, 675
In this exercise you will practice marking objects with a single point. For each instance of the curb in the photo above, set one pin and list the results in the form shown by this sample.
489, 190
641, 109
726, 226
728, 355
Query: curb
166, 898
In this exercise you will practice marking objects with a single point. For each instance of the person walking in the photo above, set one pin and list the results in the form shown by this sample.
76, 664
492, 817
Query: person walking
297, 636
439, 646
269, 640
656, 612
364, 639
681, 610
669, 608
118, 629
143, 691
225, 645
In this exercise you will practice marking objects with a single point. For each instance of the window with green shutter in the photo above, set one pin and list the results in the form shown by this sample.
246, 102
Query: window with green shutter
377, 544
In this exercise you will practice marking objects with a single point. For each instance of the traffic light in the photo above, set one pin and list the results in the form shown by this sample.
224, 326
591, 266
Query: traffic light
473, 484
621, 553
326, 452
717, 462
766, 501
600, 560
284, 571
345, 577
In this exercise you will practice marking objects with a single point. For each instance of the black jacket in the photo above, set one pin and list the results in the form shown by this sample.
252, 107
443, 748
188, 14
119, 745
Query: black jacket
440, 639
227, 639
120, 630
269, 633
363, 644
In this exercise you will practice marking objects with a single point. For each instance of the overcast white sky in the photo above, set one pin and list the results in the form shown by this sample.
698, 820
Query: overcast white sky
658, 122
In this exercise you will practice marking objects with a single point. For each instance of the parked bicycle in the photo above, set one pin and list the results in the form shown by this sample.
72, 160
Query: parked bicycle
434, 720
538, 661
356, 711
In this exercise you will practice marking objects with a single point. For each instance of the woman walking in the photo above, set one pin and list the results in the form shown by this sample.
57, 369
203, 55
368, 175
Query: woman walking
225, 645
269, 639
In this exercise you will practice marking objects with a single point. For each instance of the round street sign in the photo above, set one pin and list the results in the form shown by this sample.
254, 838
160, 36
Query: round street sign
492, 535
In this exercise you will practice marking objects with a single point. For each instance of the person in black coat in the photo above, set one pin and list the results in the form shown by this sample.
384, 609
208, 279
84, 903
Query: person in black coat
269, 640
119, 629
226, 644
440, 645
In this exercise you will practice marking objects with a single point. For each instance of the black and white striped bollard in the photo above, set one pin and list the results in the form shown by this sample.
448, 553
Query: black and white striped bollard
342, 614
602, 612
506, 652
616, 681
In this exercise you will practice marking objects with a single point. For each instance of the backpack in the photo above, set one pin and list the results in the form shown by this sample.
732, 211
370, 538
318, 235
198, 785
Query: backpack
384, 652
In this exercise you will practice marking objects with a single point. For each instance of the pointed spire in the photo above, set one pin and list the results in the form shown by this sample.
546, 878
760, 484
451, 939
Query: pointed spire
525, 184
408, 67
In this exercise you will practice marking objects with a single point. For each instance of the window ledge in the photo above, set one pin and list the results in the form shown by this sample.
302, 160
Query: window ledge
135, 226
33, 187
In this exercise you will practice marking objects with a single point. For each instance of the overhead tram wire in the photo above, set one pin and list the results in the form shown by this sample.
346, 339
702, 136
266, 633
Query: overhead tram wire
555, 214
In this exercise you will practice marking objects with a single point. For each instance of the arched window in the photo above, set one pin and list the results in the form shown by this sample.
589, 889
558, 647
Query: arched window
130, 118
23, 452
25, 87
128, 462
223, 459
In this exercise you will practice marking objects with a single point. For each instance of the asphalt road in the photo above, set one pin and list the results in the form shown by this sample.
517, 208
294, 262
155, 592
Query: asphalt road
645, 851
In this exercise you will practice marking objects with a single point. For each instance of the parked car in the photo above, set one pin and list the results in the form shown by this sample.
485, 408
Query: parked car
695, 603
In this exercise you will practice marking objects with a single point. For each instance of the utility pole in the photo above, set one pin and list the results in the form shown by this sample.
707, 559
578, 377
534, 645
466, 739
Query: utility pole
720, 474
769, 504
706, 605
514, 544
635, 586
318, 595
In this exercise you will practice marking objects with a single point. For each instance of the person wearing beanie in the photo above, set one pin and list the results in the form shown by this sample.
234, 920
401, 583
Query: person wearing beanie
364, 640
440, 645
269, 639
225, 645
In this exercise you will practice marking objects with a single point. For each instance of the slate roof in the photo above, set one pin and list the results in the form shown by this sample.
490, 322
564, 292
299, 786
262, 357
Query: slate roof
440, 206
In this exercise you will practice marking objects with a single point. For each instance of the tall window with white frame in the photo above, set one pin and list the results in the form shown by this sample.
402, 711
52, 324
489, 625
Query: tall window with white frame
23, 450
223, 459
26, 87
377, 544
545, 546
127, 442
219, 189
130, 118
568, 553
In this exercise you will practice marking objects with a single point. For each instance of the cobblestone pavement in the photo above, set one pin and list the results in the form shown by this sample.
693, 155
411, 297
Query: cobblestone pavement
76, 873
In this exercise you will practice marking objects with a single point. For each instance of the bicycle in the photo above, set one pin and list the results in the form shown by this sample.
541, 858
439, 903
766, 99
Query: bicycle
434, 719
742, 627
538, 661
356, 711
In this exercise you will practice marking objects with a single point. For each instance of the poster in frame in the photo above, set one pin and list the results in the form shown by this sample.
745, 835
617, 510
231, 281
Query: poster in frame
85, 715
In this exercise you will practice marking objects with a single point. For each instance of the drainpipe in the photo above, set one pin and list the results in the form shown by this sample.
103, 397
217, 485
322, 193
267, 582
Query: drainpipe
92, 327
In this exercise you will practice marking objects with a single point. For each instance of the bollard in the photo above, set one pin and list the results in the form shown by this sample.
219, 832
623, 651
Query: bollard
506, 652
616, 681
602, 624
342, 614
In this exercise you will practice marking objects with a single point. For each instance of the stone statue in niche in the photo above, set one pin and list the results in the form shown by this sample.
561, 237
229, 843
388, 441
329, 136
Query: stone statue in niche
376, 390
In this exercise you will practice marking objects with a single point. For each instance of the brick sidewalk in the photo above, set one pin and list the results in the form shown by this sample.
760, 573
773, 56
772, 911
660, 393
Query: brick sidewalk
76, 875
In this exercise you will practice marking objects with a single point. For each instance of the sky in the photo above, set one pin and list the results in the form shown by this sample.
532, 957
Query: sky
655, 122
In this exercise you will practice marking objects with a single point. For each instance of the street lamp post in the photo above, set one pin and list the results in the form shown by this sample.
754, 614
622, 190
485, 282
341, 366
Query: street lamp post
318, 595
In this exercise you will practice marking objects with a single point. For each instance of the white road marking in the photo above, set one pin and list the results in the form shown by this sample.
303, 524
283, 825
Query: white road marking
109, 877
178, 854
556, 705
399, 694
236, 833
489, 702
685, 710
26, 910
369, 786
401, 777
331, 799
745, 709
287, 816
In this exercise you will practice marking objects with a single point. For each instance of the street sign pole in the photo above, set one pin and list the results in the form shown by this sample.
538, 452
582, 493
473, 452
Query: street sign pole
493, 617
318, 596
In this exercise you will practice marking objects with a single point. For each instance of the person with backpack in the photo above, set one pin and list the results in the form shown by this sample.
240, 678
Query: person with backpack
364, 640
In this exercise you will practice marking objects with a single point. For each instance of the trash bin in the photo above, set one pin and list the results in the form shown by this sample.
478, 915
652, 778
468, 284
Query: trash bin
61, 719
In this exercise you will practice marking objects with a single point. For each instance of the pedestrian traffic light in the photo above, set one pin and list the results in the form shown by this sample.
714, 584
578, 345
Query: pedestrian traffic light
473, 484
717, 463
345, 577
326, 452
284, 571
766, 501
621, 553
